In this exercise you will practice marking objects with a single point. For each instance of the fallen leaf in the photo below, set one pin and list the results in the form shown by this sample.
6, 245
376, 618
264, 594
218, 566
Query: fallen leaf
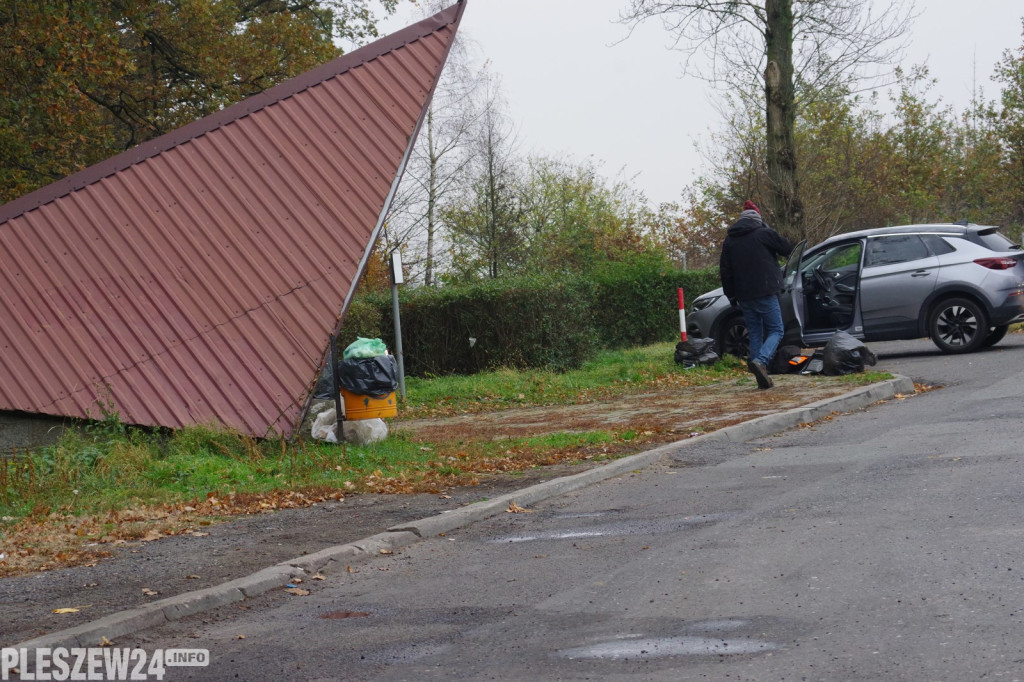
66, 610
192, 576
319, 576
241, 637
386, 551
105, 642
148, 592
514, 508
298, 591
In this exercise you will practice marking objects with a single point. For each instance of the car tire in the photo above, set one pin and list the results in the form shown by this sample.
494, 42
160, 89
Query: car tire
732, 338
958, 325
995, 335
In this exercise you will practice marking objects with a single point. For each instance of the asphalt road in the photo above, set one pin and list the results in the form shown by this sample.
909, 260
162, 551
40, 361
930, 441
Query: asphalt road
879, 545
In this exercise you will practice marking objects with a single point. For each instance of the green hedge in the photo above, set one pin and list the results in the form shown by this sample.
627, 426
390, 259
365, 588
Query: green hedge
552, 322
638, 304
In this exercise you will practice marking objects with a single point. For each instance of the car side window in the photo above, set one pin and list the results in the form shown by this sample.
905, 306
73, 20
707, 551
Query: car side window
897, 248
842, 257
937, 244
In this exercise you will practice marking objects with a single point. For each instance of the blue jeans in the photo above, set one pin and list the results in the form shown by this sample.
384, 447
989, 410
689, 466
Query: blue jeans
763, 318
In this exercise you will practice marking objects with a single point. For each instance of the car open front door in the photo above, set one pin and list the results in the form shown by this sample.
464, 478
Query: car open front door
791, 298
830, 278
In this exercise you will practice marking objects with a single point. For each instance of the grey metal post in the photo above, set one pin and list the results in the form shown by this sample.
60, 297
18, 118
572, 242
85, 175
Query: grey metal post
339, 418
396, 279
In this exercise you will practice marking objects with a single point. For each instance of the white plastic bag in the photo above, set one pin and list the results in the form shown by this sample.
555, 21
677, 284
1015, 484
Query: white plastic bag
365, 431
325, 426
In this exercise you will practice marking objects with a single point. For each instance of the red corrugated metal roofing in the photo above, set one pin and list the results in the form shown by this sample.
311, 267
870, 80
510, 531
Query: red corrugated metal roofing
198, 278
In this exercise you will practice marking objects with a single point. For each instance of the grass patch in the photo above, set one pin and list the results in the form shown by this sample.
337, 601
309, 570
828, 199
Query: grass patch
107, 482
609, 374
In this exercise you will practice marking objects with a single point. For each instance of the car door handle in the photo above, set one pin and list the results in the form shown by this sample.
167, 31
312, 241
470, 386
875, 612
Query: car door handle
920, 273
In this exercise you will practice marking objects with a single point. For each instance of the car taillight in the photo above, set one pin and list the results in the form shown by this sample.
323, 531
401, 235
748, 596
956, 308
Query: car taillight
997, 263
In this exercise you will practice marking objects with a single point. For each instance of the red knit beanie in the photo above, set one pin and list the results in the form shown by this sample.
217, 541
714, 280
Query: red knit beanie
749, 206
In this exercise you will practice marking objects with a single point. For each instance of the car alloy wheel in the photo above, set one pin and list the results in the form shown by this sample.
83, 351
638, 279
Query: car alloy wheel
733, 338
958, 325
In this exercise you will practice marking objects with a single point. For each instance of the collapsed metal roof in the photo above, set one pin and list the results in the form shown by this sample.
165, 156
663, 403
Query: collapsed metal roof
198, 278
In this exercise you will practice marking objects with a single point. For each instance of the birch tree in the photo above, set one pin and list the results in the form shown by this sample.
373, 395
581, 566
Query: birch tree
438, 166
484, 223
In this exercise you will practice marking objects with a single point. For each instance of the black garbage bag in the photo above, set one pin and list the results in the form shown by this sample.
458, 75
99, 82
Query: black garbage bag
783, 363
696, 352
324, 384
816, 364
375, 377
844, 354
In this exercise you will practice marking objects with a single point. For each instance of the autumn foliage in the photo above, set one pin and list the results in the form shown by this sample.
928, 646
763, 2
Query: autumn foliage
86, 79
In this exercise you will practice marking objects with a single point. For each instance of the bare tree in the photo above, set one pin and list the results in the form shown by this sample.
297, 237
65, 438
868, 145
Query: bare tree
484, 223
439, 161
780, 43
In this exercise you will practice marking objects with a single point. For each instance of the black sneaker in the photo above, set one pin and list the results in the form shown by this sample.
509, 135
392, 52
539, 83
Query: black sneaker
760, 373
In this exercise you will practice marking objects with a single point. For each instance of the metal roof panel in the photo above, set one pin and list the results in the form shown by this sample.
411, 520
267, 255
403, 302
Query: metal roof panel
198, 277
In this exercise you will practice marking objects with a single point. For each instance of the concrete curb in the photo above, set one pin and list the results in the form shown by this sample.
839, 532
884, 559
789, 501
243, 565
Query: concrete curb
403, 535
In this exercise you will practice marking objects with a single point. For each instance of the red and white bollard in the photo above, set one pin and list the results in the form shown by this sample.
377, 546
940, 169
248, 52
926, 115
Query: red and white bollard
682, 317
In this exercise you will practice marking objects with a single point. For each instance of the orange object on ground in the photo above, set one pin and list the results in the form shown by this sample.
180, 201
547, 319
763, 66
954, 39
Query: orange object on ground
367, 407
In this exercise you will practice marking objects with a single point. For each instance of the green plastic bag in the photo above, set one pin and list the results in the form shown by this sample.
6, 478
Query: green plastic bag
364, 348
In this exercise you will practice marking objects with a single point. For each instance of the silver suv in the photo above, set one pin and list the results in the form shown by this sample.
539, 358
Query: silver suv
960, 285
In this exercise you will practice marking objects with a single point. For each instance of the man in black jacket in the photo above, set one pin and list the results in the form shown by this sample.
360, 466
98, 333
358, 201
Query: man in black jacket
752, 280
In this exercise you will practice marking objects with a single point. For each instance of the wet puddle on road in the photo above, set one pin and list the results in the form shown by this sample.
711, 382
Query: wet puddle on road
700, 642
669, 646
647, 527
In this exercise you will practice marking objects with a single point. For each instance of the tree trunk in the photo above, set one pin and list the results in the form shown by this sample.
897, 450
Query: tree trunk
432, 159
780, 117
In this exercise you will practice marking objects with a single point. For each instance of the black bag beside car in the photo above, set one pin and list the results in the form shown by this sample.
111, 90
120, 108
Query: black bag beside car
696, 353
844, 354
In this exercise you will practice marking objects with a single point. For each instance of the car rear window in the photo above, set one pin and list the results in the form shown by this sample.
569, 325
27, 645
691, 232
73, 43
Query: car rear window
992, 239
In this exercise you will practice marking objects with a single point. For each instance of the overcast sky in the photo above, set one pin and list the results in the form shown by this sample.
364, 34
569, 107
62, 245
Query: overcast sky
575, 88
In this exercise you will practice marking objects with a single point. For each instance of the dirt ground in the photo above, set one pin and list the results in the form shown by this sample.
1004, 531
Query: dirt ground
669, 415
145, 571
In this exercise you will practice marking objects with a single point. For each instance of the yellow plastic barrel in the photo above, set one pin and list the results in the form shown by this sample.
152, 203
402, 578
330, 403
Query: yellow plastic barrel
367, 407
